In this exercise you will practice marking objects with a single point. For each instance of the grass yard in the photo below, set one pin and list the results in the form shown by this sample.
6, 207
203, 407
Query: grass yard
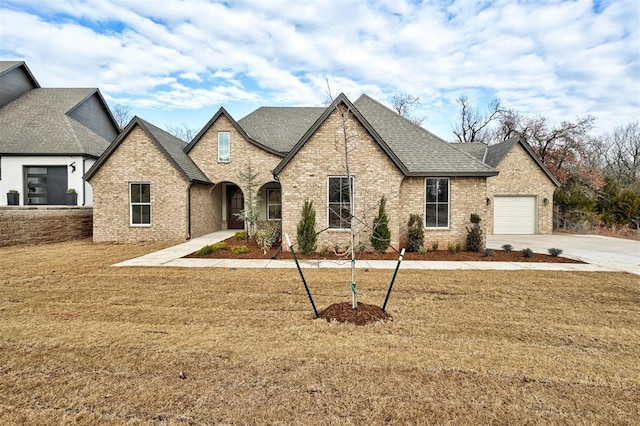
85, 343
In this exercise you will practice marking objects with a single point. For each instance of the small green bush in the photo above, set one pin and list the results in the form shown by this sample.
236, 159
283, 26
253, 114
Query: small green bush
555, 252
306, 229
211, 248
267, 235
475, 218
241, 236
489, 253
507, 247
474, 234
434, 245
454, 247
361, 247
422, 250
527, 252
415, 233
324, 250
381, 235
243, 249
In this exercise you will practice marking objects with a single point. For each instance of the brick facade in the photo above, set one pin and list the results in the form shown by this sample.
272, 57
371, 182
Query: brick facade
139, 160
37, 225
521, 176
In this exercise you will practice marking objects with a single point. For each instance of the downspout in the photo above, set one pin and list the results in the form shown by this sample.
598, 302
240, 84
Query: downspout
84, 184
189, 210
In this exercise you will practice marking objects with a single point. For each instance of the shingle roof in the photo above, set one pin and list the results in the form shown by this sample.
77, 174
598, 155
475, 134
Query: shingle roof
422, 152
477, 150
170, 145
280, 127
495, 154
37, 123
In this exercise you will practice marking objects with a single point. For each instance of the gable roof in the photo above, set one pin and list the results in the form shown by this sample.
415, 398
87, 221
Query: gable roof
477, 150
7, 66
223, 112
280, 127
341, 99
38, 123
423, 153
169, 145
496, 153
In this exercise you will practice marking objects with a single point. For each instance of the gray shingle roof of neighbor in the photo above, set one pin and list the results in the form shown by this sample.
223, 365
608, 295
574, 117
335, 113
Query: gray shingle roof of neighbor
170, 145
422, 152
37, 123
6, 66
280, 127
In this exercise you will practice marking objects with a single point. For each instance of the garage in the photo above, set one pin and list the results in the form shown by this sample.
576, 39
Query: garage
514, 215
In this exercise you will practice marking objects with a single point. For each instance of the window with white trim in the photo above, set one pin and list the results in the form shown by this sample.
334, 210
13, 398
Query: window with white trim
224, 147
339, 206
274, 204
437, 203
140, 204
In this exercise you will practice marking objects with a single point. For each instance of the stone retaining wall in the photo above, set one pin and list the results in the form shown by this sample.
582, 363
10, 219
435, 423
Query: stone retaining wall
46, 224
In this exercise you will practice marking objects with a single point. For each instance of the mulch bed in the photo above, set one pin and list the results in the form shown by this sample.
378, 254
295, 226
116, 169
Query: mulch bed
441, 255
365, 314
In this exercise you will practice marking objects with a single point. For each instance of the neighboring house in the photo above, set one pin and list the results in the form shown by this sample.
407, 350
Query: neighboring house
49, 137
150, 186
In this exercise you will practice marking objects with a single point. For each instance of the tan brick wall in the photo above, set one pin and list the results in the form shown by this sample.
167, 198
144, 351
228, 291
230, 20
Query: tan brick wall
202, 210
138, 159
520, 175
467, 195
205, 155
38, 225
307, 173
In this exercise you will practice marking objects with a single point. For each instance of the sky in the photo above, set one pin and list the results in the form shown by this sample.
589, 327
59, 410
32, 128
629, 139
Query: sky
176, 62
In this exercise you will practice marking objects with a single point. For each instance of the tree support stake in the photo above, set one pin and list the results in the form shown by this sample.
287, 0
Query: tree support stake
306, 287
386, 299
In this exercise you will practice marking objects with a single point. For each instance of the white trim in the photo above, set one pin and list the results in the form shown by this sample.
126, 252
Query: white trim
448, 204
140, 225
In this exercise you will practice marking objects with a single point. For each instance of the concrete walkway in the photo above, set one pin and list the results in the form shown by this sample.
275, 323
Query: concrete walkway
173, 256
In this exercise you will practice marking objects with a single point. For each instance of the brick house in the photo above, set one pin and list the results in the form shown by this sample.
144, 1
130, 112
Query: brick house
151, 186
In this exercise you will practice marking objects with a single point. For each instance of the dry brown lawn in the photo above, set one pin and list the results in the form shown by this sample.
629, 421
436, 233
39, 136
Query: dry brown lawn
85, 343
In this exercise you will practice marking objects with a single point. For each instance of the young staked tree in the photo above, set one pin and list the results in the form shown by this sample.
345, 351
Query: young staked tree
251, 212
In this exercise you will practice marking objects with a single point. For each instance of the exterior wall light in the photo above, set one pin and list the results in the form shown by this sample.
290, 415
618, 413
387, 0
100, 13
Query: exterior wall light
545, 201
489, 201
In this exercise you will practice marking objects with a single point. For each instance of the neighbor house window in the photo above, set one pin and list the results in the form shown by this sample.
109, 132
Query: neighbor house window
437, 208
140, 202
224, 147
274, 204
339, 203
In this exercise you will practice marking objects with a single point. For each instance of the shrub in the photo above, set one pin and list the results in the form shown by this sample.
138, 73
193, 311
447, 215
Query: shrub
422, 250
527, 252
434, 245
307, 237
240, 236
267, 236
324, 250
381, 235
211, 248
361, 247
454, 247
415, 233
489, 253
474, 234
243, 249
507, 247
555, 252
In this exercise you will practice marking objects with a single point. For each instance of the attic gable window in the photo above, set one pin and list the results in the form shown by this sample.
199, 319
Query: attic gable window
224, 147
339, 211
437, 203
140, 204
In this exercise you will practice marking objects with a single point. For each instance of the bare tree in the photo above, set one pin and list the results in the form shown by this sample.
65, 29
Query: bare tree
183, 132
122, 114
621, 149
473, 124
405, 104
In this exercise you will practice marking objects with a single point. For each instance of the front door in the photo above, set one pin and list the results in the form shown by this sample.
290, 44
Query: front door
235, 205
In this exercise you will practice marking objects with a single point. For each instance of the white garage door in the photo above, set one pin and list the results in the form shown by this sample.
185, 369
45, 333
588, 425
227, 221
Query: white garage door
514, 215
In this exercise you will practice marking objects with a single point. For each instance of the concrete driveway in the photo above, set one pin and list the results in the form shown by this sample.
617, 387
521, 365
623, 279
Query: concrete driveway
616, 254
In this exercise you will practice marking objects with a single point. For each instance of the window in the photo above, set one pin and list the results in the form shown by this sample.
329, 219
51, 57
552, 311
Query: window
339, 203
437, 208
140, 196
224, 148
274, 204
